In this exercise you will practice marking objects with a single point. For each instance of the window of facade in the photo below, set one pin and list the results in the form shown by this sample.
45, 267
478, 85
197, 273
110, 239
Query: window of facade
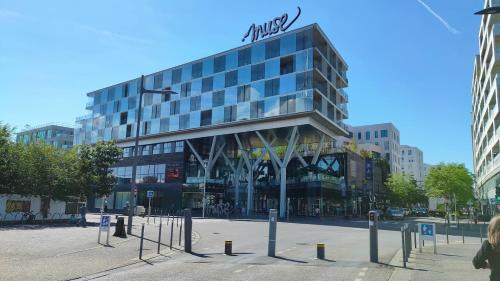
206, 117
359, 135
128, 133
273, 48
131, 103
287, 104
376, 134
156, 148
303, 81
218, 98
167, 147
231, 78
146, 128
125, 90
244, 56
383, 133
156, 111
230, 113
184, 121
164, 124
176, 76
148, 99
197, 71
179, 146
272, 87
185, 89
244, 93
287, 65
123, 118
111, 94
195, 103
207, 84
304, 39
158, 81
145, 150
256, 109
258, 71
367, 135
219, 64
116, 107
175, 107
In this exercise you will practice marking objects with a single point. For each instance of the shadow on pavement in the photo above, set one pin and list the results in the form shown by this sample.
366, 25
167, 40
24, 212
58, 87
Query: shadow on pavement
288, 259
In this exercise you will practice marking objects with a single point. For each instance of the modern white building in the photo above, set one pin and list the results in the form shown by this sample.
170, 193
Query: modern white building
485, 114
427, 168
385, 135
412, 163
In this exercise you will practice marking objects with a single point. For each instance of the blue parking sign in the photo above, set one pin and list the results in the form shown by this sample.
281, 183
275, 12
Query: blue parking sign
150, 194
427, 229
105, 220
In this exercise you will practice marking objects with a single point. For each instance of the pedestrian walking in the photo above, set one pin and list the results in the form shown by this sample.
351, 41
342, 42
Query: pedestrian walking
488, 255
83, 213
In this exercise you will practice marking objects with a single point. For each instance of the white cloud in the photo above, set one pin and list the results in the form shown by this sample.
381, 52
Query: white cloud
113, 35
445, 23
6, 14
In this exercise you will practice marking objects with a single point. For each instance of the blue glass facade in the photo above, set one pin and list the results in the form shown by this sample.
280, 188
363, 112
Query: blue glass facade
295, 74
298, 71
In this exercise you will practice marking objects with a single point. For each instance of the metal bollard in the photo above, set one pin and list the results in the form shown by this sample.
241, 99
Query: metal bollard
415, 236
159, 239
463, 237
403, 246
320, 251
171, 234
177, 221
142, 242
447, 239
228, 247
180, 234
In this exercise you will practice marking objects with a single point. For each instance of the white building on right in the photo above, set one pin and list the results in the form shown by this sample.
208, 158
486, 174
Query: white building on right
412, 163
385, 135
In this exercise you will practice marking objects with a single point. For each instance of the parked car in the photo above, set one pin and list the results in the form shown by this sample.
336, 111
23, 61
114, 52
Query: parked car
395, 214
420, 212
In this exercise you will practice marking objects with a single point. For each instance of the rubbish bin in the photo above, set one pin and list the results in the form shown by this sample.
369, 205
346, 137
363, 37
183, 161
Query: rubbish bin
120, 228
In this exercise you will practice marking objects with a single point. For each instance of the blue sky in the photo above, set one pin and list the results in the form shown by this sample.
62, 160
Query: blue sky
410, 62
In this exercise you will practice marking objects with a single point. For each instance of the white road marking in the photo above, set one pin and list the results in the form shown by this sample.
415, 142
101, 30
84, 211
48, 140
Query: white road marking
238, 271
365, 268
250, 266
358, 279
361, 274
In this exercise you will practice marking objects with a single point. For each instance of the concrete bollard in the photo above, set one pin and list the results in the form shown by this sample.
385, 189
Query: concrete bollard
228, 247
320, 251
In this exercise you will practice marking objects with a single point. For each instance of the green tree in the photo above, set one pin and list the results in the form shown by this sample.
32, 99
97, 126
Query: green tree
94, 167
452, 181
403, 189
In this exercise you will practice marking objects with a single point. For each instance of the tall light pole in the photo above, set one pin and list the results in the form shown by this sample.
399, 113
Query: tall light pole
133, 185
205, 164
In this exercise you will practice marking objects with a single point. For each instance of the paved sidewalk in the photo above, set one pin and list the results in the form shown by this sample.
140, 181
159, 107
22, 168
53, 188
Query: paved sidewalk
452, 262
62, 252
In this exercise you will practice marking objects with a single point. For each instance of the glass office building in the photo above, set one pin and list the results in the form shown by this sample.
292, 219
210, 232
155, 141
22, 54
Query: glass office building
273, 102
57, 135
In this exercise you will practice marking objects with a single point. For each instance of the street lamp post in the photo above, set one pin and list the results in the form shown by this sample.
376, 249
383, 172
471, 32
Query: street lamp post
133, 186
204, 200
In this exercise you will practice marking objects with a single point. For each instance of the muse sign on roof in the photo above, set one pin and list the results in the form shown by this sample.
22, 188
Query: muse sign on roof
269, 28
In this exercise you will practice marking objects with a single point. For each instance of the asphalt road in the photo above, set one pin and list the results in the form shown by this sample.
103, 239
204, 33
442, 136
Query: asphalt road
347, 254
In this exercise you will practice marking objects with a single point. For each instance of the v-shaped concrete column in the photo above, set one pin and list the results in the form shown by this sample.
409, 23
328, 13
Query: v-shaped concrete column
282, 163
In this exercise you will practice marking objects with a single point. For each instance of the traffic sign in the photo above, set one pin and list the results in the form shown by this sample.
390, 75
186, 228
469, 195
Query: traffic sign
105, 220
427, 231
104, 225
150, 194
